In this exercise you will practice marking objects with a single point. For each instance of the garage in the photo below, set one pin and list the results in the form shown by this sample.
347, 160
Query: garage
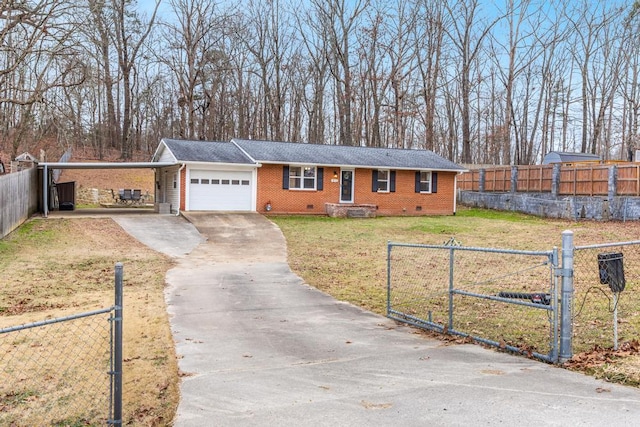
220, 190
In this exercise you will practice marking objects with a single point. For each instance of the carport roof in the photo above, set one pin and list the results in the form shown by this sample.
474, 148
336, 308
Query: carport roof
103, 165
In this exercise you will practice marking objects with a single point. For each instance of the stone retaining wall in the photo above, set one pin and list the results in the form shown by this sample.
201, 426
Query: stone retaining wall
96, 196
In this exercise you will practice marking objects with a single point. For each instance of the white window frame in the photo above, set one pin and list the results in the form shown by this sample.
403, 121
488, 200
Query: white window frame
425, 181
304, 177
386, 181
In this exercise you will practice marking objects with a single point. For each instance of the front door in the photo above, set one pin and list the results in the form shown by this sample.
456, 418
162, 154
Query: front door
346, 186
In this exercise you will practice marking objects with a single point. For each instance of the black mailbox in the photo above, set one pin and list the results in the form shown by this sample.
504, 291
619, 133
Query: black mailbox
612, 270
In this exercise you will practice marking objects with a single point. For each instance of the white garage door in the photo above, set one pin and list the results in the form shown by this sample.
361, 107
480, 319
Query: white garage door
220, 190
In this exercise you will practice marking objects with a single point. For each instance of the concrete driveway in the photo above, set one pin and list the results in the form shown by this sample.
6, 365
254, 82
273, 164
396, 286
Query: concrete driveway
260, 348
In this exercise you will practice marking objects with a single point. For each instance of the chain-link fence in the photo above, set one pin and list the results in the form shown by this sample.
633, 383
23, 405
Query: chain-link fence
64, 371
505, 298
607, 295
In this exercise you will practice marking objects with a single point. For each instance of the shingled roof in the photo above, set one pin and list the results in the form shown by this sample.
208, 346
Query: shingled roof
340, 155
244, 151
206, 151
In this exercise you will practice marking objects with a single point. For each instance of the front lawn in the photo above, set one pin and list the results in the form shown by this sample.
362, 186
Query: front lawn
347, 258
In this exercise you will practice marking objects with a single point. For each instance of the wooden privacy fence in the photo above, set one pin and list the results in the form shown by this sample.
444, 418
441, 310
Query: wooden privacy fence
18, 199
578, 180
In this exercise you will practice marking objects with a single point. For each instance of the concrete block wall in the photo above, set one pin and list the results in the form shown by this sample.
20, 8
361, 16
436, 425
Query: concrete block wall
550, 206
553, 205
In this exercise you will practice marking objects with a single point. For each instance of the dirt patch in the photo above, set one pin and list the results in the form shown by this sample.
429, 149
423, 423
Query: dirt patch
58, 267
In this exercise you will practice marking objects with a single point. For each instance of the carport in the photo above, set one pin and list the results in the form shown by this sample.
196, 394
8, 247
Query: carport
48, 167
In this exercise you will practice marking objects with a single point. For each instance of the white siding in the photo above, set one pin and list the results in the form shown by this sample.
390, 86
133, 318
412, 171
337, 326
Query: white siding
167, 193
166, 156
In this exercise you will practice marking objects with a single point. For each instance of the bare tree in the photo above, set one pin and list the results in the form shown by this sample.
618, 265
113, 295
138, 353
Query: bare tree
429, 43
270, 43
37, 55
468, 40
317, 68
191, 51
337, 22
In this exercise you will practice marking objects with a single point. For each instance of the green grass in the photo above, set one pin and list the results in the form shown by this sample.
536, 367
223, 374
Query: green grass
508, 216
347, 258
57, 267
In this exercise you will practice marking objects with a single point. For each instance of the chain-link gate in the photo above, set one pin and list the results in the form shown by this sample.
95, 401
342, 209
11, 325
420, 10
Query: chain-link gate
64, 371
505, 298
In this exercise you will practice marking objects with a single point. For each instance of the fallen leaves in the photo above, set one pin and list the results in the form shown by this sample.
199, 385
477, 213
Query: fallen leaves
599, 356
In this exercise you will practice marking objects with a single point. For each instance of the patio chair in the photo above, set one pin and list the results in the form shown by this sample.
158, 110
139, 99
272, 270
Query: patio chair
126, 196
136, 196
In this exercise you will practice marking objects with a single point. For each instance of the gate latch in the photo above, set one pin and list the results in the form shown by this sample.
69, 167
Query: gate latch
564, 272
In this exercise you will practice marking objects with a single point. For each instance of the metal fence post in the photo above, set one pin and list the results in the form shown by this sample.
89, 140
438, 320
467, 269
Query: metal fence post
554, 348
388, 277
451, 288
117, 353
566, 305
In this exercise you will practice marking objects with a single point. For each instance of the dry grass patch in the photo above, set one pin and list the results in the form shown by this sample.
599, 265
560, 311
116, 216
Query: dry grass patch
347, 259
59, 267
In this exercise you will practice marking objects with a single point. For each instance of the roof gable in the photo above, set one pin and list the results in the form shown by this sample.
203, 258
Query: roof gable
340, 155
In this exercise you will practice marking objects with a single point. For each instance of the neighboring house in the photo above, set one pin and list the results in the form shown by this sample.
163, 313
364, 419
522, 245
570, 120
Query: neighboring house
285, 177
564, 157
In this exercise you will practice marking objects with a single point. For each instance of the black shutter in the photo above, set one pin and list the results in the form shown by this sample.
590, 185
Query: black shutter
285, 177
434, 182
392, 181
319, 179
418, 182
374, 180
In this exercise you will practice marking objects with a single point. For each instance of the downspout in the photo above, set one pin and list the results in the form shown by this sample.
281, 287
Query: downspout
180, 188
455, 193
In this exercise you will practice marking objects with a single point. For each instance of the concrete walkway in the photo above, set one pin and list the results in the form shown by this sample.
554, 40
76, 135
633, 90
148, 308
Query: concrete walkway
260, 348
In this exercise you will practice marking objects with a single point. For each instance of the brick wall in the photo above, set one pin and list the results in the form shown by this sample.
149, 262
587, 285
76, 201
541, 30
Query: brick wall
183, 188
404, 201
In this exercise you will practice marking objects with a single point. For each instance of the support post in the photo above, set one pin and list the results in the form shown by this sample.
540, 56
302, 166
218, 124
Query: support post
117, 352
514, 179
566, 304
556, 312
555, 179
452, 255
45, 191
616, 296
388, 277
612, 184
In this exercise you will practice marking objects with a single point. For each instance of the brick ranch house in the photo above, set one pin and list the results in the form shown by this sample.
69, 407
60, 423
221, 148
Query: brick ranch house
300, 178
